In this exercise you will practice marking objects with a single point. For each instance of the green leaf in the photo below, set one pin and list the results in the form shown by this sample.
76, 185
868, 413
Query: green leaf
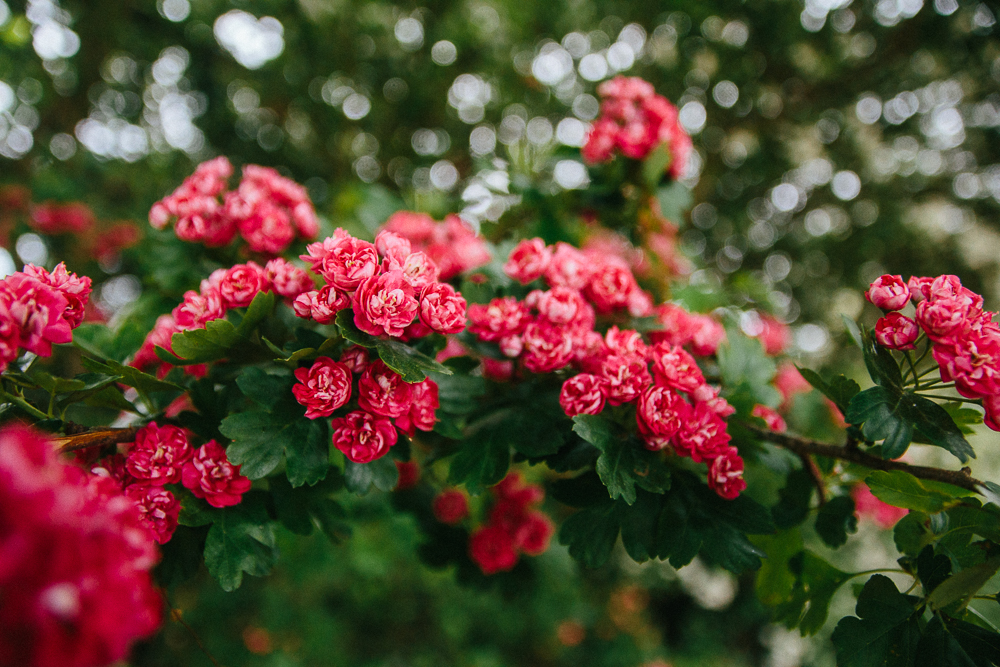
408, 362
883, 634
271, 392
730, 549
674, 199
835, 520
481, 462
623, 463
852, 330
260, 438
241, 540
981, 645
934, 422
775, 579
639, 523
129, 376
840, 389
350, 331
382, 473
901, 489
882, 367
301, 509
961, 586
938, 648
932, 569
742, 362
591, 533
792, 507
911, 534
654, 166
875, 408
219, 337
52, 384
816, 582
965, 418
100, 341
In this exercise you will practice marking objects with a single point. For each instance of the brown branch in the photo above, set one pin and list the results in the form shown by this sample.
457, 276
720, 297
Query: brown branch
806, 447
817, 476
96, 438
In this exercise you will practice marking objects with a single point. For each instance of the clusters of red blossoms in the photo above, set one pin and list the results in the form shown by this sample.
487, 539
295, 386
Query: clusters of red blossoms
392, 289
268, 210
229, 288
452, 245
39, 308
385, 402
514, 527
162, 455
634, 120
966, 340
74, 561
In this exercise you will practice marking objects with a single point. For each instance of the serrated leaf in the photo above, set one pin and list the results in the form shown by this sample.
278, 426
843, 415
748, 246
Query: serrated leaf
382, 473
591, 534
961, 586
793, 499
481, 462
623, 463
835, 520
129, 376
852, 330
261, 438
882, 631
218, 337
965, 418
301, 509
775, 580
901, 489
932, 569
938, 648
882, 367
982, 646
911, 534
240, 541
840, 389
271, 392
934, 422
654, 166
742, 361
350, 331
816, 582
639, 523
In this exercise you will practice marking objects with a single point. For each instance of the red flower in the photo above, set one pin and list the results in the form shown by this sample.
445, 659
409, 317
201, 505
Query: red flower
625, 341
702, 434
451, 506
660, 414
500, 317
888, 292
363, 437
610, 286
384, 304
345, 262
409, 475
562, 306
442, 308
197, 310
158, 454
625, 377
323, 387
675, 368
771, 418
569, 267
725, 474
241, 284
321, 306
37, 311
211, 476
546, 347
528, 261
383, 391
582, 395
896, 332
158, 508
74, 288
492, 548
535, 533
287, 279
423, 408
355, 358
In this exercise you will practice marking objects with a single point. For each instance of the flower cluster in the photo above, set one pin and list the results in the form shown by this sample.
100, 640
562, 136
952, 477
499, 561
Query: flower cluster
39, 308
965, 339
452, 245
162, 455
634, 120
385, 402
450, 506
74, 561
514, 527
229, 288
392, 289
268, 210
52, 218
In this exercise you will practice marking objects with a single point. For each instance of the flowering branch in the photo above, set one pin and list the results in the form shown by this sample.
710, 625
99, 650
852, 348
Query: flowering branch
806, 447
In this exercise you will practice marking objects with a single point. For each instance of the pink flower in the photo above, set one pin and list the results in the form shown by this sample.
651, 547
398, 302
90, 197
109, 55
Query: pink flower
920, 288
287, 279
423, 408
384, 304
562, 306
363, 437
492, 549
992, 405
546, 347
943, 316
158, 454
600, 143
418, 228
888, 292
678, 325
456, 248
321, 306
896, 332
772, 419
241, 284
501, 317
867, 506
582, 395
37, 311
790, 382
442, 308
535, 533
706, 335
383, 391
675, 368
625, 341
344, 262
355, 358
625, 377
323, 387
972, 361
528, 261
158, 507
660, 414
74, 288
392, 246
775, 336
568, 268
211, 476
725, 474
710, 397
197, 310
610, 286
51, 218
450, 506
268, 228
511, 346
419, 269
702, 434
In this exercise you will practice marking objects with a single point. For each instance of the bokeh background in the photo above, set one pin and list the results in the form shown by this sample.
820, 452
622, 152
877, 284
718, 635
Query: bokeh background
835, 140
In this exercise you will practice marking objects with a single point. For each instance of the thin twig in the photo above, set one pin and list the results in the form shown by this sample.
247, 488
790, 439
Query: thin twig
176, 615
96, 438
804, 446
817, 476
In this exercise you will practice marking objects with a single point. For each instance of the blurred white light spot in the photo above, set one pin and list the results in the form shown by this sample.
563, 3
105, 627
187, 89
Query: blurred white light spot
577, 43
751, 324
31, 249
846, 185
785, 197
443, 175
725, 94
620, 56
593, 67
966, 186
410, 33
119, 292
53, 40
4, 13
444, 52
777, 266
811, 338
62, 146
367, 168
7, 98
482, 140
19, 141
586, 107
693, 116
570, 174
945, 7
356, 106
735, 33
174, 10
539, 131
868, 109
7, 265
571, 132
251, 41
818, 222
552, 65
